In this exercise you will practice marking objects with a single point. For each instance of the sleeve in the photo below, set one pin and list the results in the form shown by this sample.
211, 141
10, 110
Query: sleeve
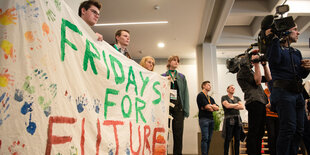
199, 101
164, 74
186, 99
237, 98
223, 99
274, 51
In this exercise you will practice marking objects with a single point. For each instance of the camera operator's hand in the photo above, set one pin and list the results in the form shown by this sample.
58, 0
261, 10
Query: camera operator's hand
255, 57
264, 63
267, 32
305, 63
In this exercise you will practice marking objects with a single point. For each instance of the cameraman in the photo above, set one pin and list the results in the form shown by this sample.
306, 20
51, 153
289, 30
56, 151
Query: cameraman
256, 100
287, 73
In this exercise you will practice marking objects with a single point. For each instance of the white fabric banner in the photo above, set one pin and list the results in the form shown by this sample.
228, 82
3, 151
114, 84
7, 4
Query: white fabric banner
63, 92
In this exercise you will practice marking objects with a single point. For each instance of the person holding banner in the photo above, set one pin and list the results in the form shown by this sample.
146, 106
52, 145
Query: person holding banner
206, 106
179, 99
122, 38
148, 63
89, 12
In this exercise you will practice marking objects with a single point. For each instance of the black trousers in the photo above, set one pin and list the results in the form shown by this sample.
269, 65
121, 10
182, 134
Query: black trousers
256, 120
272, 125
232, 131
177, 130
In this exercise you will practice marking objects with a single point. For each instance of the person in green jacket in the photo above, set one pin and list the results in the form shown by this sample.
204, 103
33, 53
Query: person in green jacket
180, 102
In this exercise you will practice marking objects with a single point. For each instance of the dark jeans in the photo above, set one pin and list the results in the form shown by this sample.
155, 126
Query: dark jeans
256, 120
272, 125
177, 130
232, 131
306, 136
290, 107
206, 126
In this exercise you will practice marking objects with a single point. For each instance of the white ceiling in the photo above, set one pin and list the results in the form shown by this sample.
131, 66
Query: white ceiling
232, 25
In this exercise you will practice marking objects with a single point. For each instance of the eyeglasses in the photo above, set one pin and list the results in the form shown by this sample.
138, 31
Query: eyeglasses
94, 12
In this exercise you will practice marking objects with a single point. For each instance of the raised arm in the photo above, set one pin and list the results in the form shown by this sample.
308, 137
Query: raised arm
257, 72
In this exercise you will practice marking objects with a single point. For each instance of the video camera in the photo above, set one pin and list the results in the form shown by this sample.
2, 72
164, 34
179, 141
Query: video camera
234, 64
279, 26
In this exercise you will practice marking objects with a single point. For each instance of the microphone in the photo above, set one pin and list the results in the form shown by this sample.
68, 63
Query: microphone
267, 22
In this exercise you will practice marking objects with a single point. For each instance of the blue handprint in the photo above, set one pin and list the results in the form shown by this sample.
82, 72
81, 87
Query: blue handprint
81, 102
97, 105
31, 128
19, 95
26, 108
4, 107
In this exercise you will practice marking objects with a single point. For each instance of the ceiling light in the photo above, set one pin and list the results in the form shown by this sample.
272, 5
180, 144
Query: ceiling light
133, 23
161, 45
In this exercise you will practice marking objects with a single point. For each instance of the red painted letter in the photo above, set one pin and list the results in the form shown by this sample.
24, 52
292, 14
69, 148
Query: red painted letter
147, 132
160, 140
114, 123
55, 139
83, 137
98, 137
138, 151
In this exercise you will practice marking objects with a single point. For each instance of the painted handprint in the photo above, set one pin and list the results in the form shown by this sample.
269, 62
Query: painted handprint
7, 17
50, 15
16, 147
46, 32
53, 90
33, 40
26, 108
32, 126
81, 102
9, 51
45, 105
19, 95
58, 4
4, 98
73, 150
97, 105
6, 79
27, 85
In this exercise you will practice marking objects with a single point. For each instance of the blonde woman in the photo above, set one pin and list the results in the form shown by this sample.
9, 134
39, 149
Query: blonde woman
148, 63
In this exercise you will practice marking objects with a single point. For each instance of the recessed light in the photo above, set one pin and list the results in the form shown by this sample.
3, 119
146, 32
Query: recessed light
161, 45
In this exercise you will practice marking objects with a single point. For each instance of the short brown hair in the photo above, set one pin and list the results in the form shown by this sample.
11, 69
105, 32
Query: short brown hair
172, 58
87, 4
203, 83
230, 86
119, 33
143, 60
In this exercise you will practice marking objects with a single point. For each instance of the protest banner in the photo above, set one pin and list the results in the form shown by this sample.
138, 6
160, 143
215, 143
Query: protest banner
63, 92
